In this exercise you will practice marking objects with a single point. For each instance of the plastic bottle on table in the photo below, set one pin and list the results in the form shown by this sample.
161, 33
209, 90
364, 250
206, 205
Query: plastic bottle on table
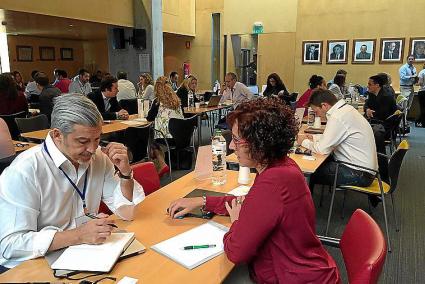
219, 175
311, 117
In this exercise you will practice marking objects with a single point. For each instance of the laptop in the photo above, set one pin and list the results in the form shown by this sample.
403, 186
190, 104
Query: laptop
214, 101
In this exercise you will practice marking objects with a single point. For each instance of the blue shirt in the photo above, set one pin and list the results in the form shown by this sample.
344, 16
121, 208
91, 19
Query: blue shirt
405, 72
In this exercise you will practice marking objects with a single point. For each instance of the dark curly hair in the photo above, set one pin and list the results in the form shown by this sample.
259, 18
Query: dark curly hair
268, 126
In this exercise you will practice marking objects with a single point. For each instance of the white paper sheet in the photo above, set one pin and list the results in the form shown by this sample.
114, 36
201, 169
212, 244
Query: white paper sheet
240, 190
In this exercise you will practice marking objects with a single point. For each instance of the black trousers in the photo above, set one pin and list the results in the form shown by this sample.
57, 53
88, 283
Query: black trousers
421, 97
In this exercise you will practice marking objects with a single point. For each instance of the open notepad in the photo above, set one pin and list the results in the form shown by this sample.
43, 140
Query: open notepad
99, 258
210, 233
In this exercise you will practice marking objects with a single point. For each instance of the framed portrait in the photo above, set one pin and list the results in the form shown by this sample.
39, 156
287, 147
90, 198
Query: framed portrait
337, 52
23, 53
67, 54
47, 53
417, 48
391, 50
363, 51
312, 52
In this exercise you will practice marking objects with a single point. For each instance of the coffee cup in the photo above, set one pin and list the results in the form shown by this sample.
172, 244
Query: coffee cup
244, 177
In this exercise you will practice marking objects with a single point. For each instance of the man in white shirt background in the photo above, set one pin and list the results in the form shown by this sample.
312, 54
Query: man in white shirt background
235, 91
348, 136
48, 190
81, 84
126, 89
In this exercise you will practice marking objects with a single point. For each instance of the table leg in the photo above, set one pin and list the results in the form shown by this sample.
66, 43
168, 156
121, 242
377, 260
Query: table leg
199, 129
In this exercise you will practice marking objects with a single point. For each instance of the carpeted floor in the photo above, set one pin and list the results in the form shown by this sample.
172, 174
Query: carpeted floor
406, 262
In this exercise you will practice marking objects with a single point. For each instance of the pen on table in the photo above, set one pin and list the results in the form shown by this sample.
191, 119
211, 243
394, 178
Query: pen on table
199, 247
95, 217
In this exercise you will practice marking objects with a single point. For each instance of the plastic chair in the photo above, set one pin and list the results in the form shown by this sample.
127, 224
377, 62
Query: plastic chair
138, 139
145, 174
130, 105
11, 123
363, 248
34, 123
378, 187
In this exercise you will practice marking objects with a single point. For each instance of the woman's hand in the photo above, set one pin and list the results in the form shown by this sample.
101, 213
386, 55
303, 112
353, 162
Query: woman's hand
234, 208
182, 206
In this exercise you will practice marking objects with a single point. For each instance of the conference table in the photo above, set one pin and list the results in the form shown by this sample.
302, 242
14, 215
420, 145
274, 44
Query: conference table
22, 146
201, 110
109, 126
151, 226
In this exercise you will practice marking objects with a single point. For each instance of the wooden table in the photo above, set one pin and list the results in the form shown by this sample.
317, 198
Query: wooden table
25, 146
108, 127
151, 226
199, 111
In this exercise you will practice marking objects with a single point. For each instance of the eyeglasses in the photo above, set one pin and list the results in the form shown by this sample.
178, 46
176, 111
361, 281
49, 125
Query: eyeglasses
238, 141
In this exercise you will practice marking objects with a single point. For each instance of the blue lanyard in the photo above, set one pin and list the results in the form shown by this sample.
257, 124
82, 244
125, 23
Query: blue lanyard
81, 194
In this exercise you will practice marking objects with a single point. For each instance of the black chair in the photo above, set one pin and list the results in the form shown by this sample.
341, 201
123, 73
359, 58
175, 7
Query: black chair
11, 123
182, 131
130, 105
34, 123
5, 162
138, 139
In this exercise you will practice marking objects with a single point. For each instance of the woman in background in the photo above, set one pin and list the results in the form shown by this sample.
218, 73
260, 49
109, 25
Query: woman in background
315, 82
187, 89
275, 86
11, 100
338, 86
19, 81
146, 89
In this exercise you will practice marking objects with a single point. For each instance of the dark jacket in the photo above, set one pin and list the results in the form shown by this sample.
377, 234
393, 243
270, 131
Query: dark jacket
97, 98
383, 104
269, 91
46, 100
183, 94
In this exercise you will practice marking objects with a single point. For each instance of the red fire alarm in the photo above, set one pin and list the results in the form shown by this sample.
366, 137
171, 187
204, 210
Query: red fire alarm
187, 44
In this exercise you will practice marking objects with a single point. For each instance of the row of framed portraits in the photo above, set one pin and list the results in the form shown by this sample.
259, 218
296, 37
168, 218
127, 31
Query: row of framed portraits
47, 53
363, 52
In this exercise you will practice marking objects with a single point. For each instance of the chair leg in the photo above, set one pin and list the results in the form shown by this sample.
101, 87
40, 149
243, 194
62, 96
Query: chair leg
395, 217
343, 204
332, 201
385, 213
321, 195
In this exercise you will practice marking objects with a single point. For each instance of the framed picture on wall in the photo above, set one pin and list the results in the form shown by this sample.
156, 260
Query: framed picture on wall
23, 53
67, 54
47, 53
391, 50
417, 48
312, 52
363, 51
337, 52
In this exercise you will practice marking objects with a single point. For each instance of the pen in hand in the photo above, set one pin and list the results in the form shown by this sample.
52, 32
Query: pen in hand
95, 217
198, 247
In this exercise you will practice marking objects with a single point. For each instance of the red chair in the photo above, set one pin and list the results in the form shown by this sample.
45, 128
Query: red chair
363, 247
145, 174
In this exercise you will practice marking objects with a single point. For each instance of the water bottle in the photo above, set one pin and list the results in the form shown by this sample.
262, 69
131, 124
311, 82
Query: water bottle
216, 88
140, 110
218, 159
190, 99
311, 117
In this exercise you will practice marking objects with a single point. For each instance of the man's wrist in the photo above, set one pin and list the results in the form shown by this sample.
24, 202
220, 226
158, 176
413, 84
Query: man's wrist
125, 173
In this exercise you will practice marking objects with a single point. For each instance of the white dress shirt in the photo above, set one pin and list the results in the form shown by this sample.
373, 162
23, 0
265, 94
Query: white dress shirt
238, 94
126, 90
147, 93
348, 135
36, 199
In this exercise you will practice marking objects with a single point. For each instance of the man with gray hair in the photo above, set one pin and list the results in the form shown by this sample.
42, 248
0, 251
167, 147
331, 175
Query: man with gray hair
234, 91
50, 194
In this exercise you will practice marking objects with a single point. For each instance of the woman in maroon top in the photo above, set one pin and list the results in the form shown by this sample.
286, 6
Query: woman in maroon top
273, 227
11, 101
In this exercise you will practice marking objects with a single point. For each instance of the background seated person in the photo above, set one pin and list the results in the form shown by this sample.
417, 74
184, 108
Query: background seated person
146, 88
348, 136
380, 103
338, 86
235, 91
187, 89
48, 93
165, 106
105, 98
273, 227
316, 82
7, 148
61, 180
274, 86
11, 101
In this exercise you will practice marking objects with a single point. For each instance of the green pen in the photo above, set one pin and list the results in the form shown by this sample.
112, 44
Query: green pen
198, 247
